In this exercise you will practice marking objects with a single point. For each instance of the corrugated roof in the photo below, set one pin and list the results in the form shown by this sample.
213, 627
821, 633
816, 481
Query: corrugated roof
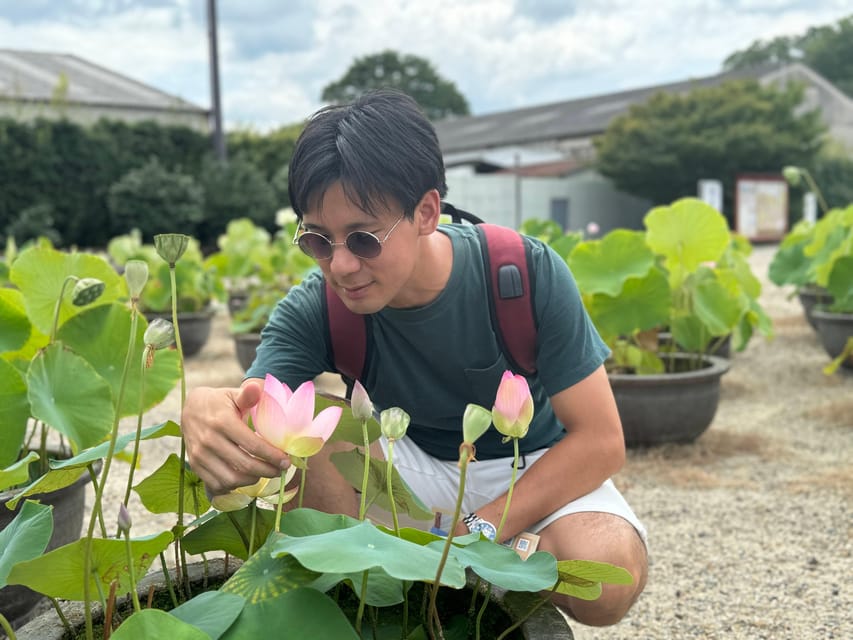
562, 120
34, 76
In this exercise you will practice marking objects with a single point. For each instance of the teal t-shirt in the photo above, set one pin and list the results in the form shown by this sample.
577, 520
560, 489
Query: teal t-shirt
433, 360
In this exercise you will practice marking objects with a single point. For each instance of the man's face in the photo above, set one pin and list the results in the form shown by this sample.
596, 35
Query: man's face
366, 285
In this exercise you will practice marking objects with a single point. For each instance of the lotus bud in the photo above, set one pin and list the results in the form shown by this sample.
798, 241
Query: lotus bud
87, 290
124, 519
136, 274
793, 175
513, 410
475, 421
159, 334
171, 246
394, 422
362, 407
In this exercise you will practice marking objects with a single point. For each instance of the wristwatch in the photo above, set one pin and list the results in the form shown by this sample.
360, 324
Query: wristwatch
476, 524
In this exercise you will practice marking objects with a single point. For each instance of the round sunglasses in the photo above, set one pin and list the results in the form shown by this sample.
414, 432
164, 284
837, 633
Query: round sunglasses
361, 244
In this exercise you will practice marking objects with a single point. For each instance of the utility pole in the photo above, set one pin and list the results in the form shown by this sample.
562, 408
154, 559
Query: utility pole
216, 105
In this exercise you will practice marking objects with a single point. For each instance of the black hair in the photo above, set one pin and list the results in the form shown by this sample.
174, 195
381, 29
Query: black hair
379, 146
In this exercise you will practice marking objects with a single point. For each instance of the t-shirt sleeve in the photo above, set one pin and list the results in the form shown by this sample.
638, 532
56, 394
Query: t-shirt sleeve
293, 344
569, 347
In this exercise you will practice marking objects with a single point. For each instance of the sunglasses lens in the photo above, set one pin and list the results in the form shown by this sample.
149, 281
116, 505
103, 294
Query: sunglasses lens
363, 244
315, 245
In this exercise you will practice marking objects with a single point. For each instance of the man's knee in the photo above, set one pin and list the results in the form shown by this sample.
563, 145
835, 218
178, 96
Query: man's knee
606, 538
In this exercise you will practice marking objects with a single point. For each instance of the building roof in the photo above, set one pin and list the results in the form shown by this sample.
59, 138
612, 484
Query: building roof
577, 118
34, 76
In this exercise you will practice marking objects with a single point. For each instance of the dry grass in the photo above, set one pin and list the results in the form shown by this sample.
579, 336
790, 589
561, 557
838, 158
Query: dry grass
837, 413
836, 479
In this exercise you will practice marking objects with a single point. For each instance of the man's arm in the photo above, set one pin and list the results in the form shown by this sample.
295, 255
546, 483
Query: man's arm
221, 448
591, 452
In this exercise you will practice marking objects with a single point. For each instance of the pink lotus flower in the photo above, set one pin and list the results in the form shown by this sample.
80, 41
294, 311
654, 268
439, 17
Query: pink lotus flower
513, 408
286, 419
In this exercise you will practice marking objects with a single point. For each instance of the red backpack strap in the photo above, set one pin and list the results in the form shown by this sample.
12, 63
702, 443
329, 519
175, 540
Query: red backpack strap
505, 257
347, 332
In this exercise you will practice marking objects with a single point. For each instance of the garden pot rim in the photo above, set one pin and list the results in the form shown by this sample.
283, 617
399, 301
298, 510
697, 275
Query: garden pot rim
716, 367
206, 312
826, 314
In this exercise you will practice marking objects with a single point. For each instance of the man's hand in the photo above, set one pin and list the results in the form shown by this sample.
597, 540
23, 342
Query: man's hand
222, 449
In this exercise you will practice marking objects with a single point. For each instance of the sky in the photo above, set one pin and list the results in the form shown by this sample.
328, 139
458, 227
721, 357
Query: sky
276, 56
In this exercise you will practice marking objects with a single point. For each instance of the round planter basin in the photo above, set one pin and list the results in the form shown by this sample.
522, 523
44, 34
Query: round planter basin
811, 295
18, 602
834, 330
245, 345
668, 407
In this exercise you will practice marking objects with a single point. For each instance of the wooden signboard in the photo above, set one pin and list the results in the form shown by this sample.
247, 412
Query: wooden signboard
761, 207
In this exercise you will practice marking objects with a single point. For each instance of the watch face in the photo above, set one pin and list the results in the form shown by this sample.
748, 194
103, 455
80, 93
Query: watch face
486, 528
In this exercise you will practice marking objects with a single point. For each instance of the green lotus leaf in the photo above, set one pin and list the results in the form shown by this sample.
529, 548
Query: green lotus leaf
14, 414
686, 233
361, 547
155, 624
230, 532
17, 473
212, 611
67, 393
159, 492
100, 335
39, 272
26, 537
53, 480
60, 573
503, 567
718, 307
14, 325
603, 266
644, 303
840, 284
167, 428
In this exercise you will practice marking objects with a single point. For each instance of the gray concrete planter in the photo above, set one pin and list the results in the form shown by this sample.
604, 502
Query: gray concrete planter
546, 623
17, 603
834, 330
668, 407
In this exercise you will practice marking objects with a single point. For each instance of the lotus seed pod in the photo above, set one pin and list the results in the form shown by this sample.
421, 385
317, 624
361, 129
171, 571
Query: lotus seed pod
136, 274
793, 175
171, 246
159, 334
394, 422
87, 290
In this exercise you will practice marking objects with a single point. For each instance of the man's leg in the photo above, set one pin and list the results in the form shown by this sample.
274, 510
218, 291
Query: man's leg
602, 537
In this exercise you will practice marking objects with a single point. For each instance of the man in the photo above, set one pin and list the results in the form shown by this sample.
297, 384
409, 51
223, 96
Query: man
366, 182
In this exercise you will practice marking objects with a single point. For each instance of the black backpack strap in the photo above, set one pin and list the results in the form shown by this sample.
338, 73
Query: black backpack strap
348, 335
458, 215
506, 261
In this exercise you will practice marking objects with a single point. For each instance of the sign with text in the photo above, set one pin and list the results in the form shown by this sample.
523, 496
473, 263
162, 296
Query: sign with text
761, 207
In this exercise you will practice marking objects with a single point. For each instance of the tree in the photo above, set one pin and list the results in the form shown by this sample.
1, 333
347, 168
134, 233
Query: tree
660, 149
410, 74
827, 49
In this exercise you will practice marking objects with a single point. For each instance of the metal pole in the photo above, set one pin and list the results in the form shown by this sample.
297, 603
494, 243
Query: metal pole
218, 137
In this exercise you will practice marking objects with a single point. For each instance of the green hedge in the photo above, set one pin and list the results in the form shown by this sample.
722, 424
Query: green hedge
57, 177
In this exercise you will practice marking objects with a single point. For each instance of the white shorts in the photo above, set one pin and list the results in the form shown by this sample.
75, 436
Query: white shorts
436, 483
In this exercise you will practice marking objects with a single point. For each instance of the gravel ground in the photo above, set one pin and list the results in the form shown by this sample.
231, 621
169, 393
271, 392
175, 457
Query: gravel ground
750, 527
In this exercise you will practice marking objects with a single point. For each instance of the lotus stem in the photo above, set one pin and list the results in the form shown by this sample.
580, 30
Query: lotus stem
509, 492
366, 474
280, 505
132, 572
99, 490
7, 628
360, 614
254, 523
238, 529
389, 467
59, 306
168, 579
135, 457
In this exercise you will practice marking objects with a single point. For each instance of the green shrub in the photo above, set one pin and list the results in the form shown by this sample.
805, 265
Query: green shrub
155, 200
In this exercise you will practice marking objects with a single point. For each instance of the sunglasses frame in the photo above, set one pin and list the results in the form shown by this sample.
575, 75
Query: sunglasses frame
298, 236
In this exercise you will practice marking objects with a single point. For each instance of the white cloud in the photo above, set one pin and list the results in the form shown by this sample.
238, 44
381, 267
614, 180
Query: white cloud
275, 58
